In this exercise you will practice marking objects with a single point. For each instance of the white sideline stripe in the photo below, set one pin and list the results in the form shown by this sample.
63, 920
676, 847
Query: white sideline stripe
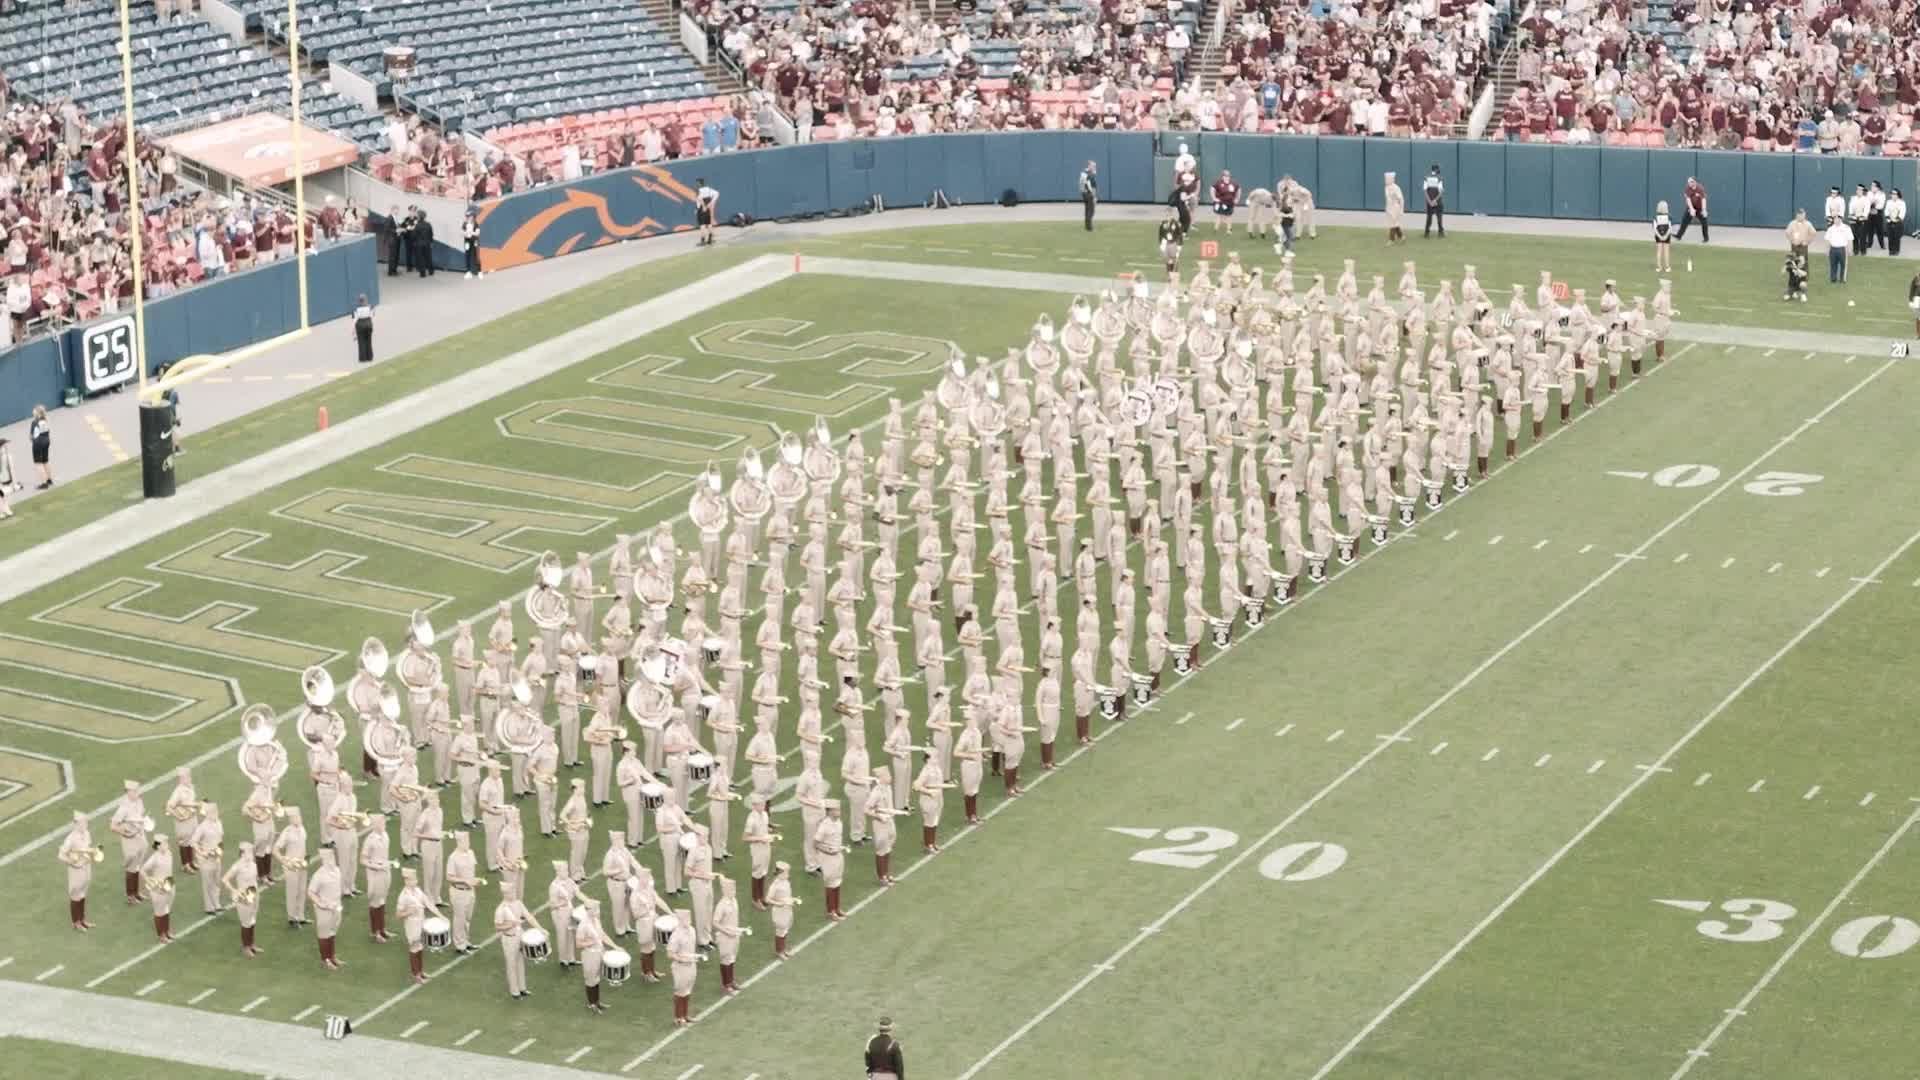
467, 1038
150, 988
1620, 799
254, 1004
201, 996
413, 1030
578, 1054
1786, 957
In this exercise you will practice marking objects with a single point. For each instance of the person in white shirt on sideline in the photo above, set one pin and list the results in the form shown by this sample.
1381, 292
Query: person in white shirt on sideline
1839, 241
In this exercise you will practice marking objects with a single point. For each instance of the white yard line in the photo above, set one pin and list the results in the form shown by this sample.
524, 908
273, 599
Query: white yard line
147, 952
1380, 747
1785, 958
1614, 805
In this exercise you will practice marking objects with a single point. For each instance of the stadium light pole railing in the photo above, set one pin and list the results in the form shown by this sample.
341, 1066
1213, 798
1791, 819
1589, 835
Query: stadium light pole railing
195, 368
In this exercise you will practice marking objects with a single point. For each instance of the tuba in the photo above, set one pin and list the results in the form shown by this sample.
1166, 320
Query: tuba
749, 494
420, 630
545, 604
384, 738
320, 725
786, 479
516, 726
822, 465
707, 509
261, 758
373, 658
954, 392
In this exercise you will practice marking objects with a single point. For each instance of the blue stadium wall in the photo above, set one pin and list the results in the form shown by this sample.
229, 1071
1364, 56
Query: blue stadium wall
1344, 173
218, 317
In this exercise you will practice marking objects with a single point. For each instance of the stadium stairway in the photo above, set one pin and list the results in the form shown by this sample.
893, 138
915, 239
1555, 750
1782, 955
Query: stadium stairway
720, 78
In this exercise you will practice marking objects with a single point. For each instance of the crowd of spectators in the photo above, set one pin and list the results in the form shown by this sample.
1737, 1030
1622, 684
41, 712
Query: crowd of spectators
869, 67
1810, 76
64, 211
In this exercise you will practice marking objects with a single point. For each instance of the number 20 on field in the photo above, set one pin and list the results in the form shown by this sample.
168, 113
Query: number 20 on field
1196, 846
1774, 484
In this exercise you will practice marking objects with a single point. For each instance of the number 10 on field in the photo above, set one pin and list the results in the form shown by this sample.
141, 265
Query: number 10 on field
1192, 847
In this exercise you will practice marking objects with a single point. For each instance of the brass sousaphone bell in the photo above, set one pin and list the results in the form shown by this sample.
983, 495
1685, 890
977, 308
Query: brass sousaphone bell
260, 757
545, 604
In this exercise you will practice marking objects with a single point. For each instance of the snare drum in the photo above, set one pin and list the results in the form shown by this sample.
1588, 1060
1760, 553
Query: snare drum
615, 966
652, 796
436, 932
710, 649
700, 767
533, 943
663, 928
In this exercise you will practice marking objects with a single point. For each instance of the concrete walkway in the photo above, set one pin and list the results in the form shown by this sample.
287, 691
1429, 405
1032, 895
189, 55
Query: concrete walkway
213, 1040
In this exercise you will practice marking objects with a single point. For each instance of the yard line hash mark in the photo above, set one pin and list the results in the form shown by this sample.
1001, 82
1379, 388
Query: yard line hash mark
1544, 758
1491, 754
1775, 568
1702, 779
311, 1009
1867, 799
1586, 549
1811, 792
688, 1075
1184, 717
1437, 748
254, 1004
1284, 730
50, 973
150, 988
1336, 735
1595, 767
1541, 544
467, 1038
1236, 723
1823, 571
578, 1054
1728, 561
1757, 785
201, 996
1680, 558
519, 1046
1786, 957
1456, 532
413, 1030
1496, 539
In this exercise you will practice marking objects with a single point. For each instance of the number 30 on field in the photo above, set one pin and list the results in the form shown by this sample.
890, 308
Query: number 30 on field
1195, 846
1750, 919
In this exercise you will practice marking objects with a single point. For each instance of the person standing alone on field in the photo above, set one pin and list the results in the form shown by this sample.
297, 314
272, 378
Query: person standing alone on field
883, 1057
1434, 190
1396, 206
1693, 208
1839, 240
363, 329
470, 237
1662, 239
1089, 191
40, 436
706, 204
1896, 222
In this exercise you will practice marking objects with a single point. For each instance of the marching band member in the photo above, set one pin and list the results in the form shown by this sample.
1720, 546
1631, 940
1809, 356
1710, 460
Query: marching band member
156, 880
463, 868
600, 734
1046, 708
781, 901
880, 812
324, 891
490, 695
856, 781
763, 757
259, 809
631, 775
207, 839
829, 845
544, 765
463, 667
242, 882
131, 824
563, 895
291, 849
374, 852
343, 832
493, 811
677, 743
700, 879
969, 753
618, 866
580, 584
440, 735
511, 850
578, 826
183, 806
408, 795
465, 751
510, 918
413, 907
685, 959
669, 821
720, 798
429, 834
534, 670
566, 707
810, 791
759, 837
501, 646
77, 851
644, 904
591, 941
930, 785
726, 934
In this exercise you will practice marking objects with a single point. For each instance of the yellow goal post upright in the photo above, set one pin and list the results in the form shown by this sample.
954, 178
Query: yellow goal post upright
156, 453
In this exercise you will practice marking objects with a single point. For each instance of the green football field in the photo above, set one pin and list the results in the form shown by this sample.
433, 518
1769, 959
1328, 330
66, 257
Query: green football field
1604, 769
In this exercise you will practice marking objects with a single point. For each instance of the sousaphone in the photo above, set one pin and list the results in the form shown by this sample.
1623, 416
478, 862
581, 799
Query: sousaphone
320, 725
544, 603
953, 391
819, 461
787, 479
261, 757
707, 509
516, 726
384, 738
749, 494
